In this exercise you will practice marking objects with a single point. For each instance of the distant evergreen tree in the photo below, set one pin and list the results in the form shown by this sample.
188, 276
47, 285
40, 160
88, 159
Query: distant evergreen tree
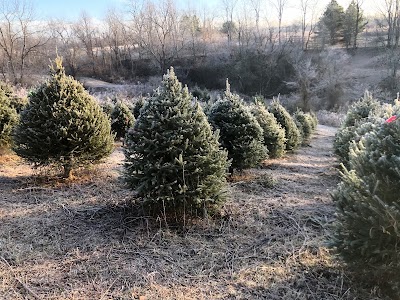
15, 102
172, 158
274, 134
138, 105
240, 132
305, 123
8, 120
62, 125
121, 119
292, 133
354, 23
332, 22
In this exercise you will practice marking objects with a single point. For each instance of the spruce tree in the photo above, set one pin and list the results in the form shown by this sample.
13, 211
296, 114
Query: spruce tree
172, 158
368, 206
138, 105
292, 133
62, 125
121, 119
273, 133
8, 120
240, 132
305, 124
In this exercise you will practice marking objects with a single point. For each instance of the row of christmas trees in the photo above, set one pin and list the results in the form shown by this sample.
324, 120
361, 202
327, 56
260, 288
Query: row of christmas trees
367, 231
176, 157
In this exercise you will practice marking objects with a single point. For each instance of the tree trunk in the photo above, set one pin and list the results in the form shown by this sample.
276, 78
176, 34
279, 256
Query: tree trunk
67, 171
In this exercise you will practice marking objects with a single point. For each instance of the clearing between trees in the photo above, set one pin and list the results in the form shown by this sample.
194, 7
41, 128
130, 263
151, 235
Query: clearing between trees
84, 240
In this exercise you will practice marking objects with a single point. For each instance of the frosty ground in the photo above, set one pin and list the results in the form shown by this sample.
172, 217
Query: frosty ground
83, 239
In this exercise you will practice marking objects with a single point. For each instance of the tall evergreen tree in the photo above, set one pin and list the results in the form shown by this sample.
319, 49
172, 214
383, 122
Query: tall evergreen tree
172, 158
354, 23
240, 132
332, 22
63, 125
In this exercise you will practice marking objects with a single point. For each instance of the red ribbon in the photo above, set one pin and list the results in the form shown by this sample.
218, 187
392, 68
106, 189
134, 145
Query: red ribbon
391, 119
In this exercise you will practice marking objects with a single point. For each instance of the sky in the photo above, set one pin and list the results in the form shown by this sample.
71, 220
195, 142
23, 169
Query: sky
72, 9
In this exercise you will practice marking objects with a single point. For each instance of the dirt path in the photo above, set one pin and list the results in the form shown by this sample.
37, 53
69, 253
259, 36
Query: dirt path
81, 241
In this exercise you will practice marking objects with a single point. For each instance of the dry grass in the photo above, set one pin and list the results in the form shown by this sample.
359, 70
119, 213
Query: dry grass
85, 240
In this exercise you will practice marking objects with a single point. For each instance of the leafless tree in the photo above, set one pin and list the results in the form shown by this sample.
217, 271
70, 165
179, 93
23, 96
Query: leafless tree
280, 7
308, 20
20, 38
229, 7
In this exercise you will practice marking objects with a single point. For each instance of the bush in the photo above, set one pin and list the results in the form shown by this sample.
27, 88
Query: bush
305, 124
292, 133
273, 133
62, 125
8, 120
368, 206
240, 132
121, 119
172, 158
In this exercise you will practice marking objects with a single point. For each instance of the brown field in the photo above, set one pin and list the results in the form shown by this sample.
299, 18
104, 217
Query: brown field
83, 239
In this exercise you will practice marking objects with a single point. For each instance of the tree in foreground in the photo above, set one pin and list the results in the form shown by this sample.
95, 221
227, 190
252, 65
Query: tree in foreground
8, 120
292, 133
240, 132
368, 207
274, 134
172, 158
62, 125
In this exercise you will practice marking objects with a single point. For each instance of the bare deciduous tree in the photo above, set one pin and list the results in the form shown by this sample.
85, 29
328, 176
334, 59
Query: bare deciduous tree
280, 7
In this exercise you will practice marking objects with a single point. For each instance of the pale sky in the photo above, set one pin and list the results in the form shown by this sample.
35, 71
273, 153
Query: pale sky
71, 9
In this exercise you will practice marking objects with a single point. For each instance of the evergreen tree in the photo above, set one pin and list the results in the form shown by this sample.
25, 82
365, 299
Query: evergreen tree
305, 124
15, 102
368, 206
138, 105
292, 133
274, 134
8, 120
354, 23
332, 22
240, 132
172, 158
62, 125
121, 119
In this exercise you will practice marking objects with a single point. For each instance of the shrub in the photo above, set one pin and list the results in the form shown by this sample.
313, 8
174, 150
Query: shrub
273, 133
292, 133
368, 206
172, 158
121, 119
240, 132
62, 125
305, 124
8, 120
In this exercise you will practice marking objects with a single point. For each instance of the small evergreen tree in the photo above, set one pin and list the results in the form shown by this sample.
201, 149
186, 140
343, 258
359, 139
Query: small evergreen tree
304, 124
274, 134
138, 105
240, 132
15, 102
8, 120
62, 125
368, 206
292, 133
121, 119
172, 158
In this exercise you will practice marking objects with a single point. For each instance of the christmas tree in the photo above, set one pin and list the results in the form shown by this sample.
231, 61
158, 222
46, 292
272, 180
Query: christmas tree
240, 132
172, 158
368, 205
305, 124
62, 125
121, 119
292, 133
8, 120
273, 133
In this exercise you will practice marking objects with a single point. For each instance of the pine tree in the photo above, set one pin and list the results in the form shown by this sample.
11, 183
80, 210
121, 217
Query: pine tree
292, 133
240, 132
354, 23
121, 119
62, 125
172, 158
368, 206
8, 120
273, 133
304, 124
138, 105
332, 21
